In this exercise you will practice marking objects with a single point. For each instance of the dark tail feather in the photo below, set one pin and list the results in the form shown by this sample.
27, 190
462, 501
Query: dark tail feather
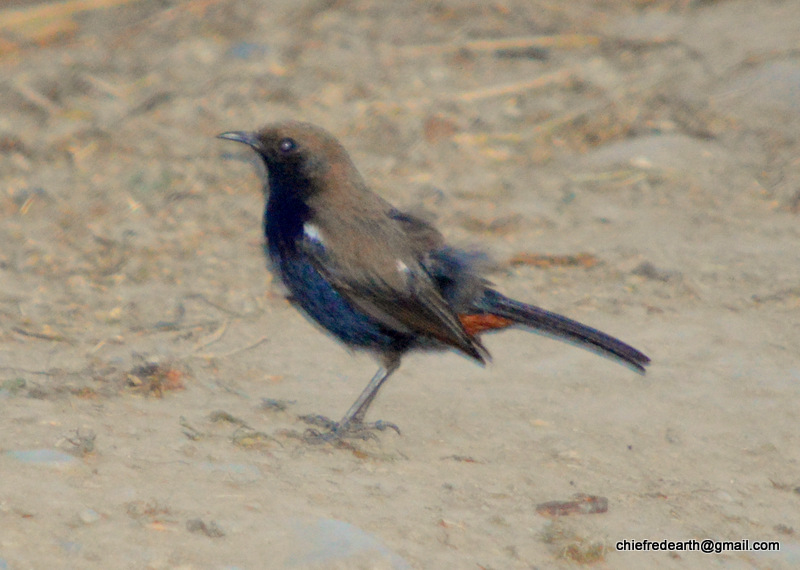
562, 328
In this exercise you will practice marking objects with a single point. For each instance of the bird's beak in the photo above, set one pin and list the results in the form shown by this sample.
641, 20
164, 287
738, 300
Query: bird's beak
250, 139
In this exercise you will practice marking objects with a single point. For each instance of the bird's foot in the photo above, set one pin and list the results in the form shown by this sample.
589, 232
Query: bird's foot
339, 431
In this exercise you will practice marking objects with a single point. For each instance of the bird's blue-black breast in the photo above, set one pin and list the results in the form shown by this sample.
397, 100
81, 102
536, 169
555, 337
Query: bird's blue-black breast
284, 222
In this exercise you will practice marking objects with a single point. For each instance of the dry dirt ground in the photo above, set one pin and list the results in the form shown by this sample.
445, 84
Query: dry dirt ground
633, 165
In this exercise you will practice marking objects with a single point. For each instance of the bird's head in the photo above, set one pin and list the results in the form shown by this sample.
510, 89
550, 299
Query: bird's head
293, 150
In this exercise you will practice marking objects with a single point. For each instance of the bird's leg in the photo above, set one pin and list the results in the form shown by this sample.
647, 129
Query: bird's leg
352, 424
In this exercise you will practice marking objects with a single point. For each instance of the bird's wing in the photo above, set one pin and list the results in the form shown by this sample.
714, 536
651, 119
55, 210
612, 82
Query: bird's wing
391, 287
422, 236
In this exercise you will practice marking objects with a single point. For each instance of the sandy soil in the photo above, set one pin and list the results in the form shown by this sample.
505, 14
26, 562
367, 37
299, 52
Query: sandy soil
152, 373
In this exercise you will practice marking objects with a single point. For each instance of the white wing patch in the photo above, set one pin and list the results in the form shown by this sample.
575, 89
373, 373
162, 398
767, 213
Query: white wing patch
312, 233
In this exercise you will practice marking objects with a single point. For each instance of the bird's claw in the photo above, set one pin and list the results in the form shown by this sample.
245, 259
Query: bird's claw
340, 431
320, 421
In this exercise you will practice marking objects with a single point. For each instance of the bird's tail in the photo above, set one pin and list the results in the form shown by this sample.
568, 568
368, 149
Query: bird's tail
506, 312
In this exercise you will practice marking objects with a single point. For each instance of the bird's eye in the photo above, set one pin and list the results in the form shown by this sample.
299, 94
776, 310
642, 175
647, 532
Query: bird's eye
287, 145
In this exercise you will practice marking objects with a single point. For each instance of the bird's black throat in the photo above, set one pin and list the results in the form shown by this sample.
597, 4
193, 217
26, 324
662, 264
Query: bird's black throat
286, 211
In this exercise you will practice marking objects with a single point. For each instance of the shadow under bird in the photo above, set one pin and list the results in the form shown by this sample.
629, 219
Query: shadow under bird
377, 278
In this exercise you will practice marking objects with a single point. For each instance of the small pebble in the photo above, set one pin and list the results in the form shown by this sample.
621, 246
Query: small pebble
49, 457
89, 516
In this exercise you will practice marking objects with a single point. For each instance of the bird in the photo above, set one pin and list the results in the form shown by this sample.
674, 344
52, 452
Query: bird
377, 278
